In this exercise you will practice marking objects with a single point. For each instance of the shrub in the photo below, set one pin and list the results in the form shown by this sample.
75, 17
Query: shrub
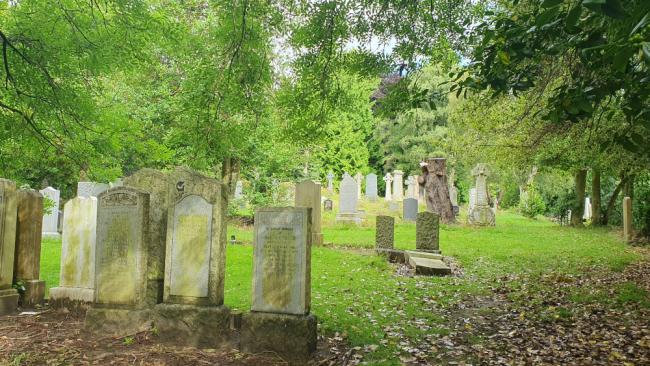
532, 203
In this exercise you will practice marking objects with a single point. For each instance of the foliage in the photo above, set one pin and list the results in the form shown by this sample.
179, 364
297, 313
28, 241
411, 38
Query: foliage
531, 204
641, 205
48, 205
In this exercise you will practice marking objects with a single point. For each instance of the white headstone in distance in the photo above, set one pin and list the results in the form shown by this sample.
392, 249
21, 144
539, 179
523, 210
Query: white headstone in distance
371, 187
239, 190
587, 212
389, 182
51, 220
398, 185
349, 200
358, 179
330, 182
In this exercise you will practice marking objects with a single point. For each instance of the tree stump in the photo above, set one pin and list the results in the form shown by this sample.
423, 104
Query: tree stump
436, 190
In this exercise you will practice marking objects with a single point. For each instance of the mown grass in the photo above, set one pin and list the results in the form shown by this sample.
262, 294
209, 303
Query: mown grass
359, 296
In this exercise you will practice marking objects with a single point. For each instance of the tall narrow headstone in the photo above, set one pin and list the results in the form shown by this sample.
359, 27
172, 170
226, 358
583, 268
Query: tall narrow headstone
389, 182
427, 232
51, 220
27, 261
410, 184
627, 219
239, 190
358, 178
8, 295
371, 187
481, 213
410, 209
77, 276
587, 213
308, 195
330, 182
90, 189
472, 199
384, 232
348, 200
279, 320
398, 185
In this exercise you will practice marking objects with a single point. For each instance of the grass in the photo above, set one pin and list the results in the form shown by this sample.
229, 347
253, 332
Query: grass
358, 295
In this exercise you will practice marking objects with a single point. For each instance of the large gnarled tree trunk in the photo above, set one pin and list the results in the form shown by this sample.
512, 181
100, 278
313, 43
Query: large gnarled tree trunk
436, 189
579, 205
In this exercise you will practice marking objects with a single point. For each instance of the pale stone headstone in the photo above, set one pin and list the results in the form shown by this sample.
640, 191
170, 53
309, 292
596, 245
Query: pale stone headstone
308, 195
328, 205
371, 187
411, 183
384, 232
389, 182
358, 178
627, 219
427, 232
8, 202
27, 261
121, 254
281, 260
398, 185
453, 195
90, 189
51, 220
481, 213
330, 182
348, 200
472, 198
156, 183
77, 277
410, 209
417, 192
587, 213
239, 190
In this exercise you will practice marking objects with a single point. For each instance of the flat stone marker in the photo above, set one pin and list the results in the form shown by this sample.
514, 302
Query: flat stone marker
410, 209
51, 220
8, 295
429, 267
27, 261
371, 187
427, 229
281, 260
77, 277
427, 255
308, 195
122, 249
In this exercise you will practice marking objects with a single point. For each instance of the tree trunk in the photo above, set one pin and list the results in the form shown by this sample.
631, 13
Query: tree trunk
230, 173
628, 188
579, 205
436, 189
612, 200
596, 199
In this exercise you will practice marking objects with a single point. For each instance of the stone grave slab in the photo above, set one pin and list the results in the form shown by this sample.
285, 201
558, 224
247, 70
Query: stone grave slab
27, 261
429, 267
8, 202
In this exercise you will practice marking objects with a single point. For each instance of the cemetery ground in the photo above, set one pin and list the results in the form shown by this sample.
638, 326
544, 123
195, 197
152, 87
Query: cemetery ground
523, 292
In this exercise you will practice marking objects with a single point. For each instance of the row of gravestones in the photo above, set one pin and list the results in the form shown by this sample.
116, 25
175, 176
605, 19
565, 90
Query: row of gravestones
394, 186
152, 252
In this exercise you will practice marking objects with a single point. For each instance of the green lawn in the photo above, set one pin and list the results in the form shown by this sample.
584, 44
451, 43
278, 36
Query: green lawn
358, 295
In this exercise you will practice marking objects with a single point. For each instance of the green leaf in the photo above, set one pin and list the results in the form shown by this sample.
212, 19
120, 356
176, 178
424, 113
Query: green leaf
594, 2
573, 17
621, 59
641, 24
646, 51
614, 9
551, 3
546, 17
504, 57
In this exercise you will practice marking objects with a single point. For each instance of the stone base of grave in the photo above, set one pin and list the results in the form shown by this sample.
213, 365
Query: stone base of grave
349, 217
429, 267
71, 298
34, 293
292, 337
51, 235
190, 325
433, 254
392, 255
118, 322
317, 239
481, 215
8, 301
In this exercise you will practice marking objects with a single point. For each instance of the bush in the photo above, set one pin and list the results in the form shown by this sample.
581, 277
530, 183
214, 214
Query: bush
532, 203
641, 205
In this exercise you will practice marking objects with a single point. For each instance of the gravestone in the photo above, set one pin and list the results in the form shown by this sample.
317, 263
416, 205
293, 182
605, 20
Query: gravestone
627, 219
427, 232
481, 213
384, 232
51, 220
587, 212
410, 209
239, 190
77, 277
389, 182
8, 200
328, 205
90, 189
27, 260
308, 195
348, 201
330, 182
409, 187
371, 187
156, 183
398, 185
472, 199
416, 188
279, 320
453, 195
358, 178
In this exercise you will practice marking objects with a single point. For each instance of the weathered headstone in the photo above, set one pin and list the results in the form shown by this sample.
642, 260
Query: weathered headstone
328, 205
481, 213
330, 182
453, 195
371, 187
239, 190
627, 219
156, 183
410, 209
8, 200
90, 189
427, 232
398, 185
587, 213
410, 184
279, 320
348, 200
77, 277
389, 182
434, 183
51, 220
358, 178
472, 199
384, 232
308, 195
27, 261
